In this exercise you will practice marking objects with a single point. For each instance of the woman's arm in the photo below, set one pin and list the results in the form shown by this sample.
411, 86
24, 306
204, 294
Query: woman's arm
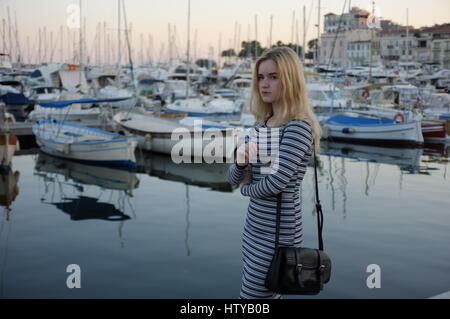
296, 143
236, 174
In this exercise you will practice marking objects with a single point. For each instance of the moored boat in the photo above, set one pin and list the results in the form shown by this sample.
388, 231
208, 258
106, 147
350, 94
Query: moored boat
373, 131
84, 144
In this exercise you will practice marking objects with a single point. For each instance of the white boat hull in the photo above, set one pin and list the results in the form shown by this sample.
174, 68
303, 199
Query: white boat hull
409, 133
158, 135
93, 146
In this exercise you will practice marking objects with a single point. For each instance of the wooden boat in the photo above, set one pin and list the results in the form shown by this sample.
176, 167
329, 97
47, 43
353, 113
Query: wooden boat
373, 131
84, 144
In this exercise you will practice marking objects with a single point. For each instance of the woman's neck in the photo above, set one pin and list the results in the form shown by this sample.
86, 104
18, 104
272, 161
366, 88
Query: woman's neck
277, 117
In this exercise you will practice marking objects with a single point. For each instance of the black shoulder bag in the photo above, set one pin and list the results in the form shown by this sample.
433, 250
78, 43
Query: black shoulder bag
299, 271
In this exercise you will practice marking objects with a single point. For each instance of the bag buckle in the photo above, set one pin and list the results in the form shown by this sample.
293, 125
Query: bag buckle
322, 268
299, 266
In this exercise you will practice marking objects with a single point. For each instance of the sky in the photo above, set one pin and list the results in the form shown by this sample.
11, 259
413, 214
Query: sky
214, 23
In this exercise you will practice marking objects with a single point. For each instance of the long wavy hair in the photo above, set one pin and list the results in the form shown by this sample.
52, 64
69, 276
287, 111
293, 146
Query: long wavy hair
293, 99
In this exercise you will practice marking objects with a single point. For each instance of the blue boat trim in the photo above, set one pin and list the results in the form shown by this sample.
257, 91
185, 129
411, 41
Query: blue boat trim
366, 132
126, 165
62, 104
115, 138
99, 150
70, 124
361, 121
196, 114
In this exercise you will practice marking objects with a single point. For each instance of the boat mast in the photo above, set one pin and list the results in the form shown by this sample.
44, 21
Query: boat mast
318, 36
371, 42
81, 44
188, 48
256, 36
304, 34
407, 35
271, 29
130, 58
119, 57
11, 56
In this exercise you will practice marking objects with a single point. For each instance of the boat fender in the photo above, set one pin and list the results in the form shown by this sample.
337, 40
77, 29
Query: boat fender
348, 130
399, 117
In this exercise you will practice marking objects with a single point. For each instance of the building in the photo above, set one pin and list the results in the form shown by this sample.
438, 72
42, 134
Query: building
359, 53
334, 47
355, 19
424, 45
440, 45
348, 42
396, 44
340, 31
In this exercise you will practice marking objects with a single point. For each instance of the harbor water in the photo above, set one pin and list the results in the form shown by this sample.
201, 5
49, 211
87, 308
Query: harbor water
175, 231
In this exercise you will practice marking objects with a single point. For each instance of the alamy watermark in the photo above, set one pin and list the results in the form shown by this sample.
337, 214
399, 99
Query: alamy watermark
374, 18
74, 279
374, 279
212, 145
73, 16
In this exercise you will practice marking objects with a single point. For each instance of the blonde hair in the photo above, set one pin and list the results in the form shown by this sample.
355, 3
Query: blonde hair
293, 98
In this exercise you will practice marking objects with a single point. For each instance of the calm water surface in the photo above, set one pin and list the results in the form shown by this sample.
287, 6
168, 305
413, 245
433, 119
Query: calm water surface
174, 231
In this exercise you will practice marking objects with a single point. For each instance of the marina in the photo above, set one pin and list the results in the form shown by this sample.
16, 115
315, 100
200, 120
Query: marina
115, 157
385, 206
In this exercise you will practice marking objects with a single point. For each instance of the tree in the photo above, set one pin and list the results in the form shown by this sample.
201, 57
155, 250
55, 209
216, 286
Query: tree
228, 53
251, 49
312, 44
294, 47
205, 63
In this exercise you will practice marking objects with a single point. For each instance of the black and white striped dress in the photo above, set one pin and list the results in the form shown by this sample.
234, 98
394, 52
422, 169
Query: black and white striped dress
286, 176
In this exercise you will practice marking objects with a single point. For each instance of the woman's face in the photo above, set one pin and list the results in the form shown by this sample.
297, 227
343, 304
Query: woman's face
268, 81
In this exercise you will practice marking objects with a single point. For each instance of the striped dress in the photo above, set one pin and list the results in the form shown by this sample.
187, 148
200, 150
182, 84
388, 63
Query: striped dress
284, 175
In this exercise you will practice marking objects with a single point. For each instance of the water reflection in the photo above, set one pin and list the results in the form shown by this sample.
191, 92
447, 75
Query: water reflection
408, 159
104, 177
336, 156
73, 188
214, 176
9, 190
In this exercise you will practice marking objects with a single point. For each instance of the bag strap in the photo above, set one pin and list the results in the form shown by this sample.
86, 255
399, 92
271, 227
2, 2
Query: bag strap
318, 206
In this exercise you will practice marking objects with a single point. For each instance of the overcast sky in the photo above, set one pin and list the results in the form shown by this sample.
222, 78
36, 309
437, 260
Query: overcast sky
209, 18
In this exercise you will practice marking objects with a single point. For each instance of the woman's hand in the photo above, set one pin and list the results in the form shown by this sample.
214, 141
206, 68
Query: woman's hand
248, 175
245, 153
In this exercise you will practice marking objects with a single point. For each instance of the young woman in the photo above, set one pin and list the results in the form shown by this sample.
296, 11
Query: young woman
281, 105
